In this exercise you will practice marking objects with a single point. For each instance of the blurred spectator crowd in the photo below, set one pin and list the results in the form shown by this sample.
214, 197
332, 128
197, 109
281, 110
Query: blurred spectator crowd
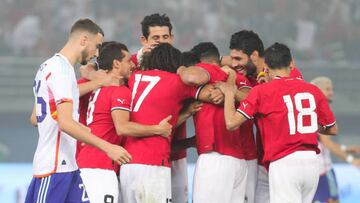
314, 29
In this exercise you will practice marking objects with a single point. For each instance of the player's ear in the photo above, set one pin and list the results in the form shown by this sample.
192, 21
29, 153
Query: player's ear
254, 55
83, 40
292, 63
116, 64
143, 40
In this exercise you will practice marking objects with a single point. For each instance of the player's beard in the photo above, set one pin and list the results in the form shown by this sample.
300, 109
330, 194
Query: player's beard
250, 68
84, 56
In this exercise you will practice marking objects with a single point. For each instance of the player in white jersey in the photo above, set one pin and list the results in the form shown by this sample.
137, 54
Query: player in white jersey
56, 175
327, 190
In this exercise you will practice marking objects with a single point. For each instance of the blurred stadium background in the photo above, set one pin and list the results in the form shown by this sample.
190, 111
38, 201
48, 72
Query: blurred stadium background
324, 37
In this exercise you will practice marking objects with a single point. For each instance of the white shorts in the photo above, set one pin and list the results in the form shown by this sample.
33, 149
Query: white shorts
294, 178
262, 190
101, 184
219, 179
141, 183
179, 181
251, 180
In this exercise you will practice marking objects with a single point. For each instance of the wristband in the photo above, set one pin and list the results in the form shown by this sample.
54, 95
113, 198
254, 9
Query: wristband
350, 158
343, 147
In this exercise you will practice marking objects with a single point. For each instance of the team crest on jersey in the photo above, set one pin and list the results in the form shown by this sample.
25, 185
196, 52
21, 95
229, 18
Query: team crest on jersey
63, 162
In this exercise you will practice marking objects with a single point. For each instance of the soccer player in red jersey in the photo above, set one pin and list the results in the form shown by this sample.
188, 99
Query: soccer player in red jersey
180, 142
157, 91
108, 118
217, 147
298, 111
247, 57
155, 29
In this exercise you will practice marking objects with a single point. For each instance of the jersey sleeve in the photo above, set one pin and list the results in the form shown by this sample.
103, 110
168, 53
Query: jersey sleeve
215, 73
325, 115
60, 84
242, 81
121, 99
250, 106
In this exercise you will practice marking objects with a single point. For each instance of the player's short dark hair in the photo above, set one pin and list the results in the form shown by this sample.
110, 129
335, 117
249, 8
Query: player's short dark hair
86, 25
110, 52
206, 51
190, 59
163, 57
247, 41
278, 56
154, 20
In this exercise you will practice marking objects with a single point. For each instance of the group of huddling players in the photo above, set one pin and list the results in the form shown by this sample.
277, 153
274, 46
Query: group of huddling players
256, 121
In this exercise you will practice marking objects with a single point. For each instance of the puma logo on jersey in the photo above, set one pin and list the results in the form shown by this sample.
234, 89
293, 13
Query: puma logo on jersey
121, 101
245, 104
242, 83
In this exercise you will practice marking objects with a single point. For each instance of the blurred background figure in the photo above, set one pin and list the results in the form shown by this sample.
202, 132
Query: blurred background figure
327, 190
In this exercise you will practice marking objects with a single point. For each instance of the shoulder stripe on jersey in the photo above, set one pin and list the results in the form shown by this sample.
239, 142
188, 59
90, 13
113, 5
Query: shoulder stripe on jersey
331, 124
48, 75
244, 114
120, 108
198, 92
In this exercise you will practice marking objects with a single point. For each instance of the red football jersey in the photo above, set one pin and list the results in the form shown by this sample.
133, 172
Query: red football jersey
179, 134
83, 103
135, 60
204, 119
288, 111
295, 73
211, 132
102, 102
246, 129
155, 95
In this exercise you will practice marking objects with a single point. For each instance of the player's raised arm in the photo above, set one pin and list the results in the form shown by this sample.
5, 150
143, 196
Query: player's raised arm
193, 75
68, 125
125, 127
233, 119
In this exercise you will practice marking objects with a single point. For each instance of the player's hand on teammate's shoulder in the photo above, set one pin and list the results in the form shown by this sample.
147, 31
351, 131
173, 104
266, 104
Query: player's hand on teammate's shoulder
263, 77
165, 127
118, 154
228, 70
105, 79
193, 108
216, 96
226, 87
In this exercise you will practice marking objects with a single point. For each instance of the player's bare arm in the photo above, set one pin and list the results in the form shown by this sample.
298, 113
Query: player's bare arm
233, 119
33, 120
193, 75
124, 126
328, 130
336, 149
68, 125
179, 145
98, 79
188, 112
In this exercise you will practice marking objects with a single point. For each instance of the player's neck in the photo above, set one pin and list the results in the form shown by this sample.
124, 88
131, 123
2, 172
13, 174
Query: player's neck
70, 53
281, 72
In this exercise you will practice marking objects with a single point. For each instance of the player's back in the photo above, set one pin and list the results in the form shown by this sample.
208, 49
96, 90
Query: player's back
289, 112
155, 95
99, 119
54, 83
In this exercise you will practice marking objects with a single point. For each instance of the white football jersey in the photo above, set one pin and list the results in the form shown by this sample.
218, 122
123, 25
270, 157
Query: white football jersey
55, 82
